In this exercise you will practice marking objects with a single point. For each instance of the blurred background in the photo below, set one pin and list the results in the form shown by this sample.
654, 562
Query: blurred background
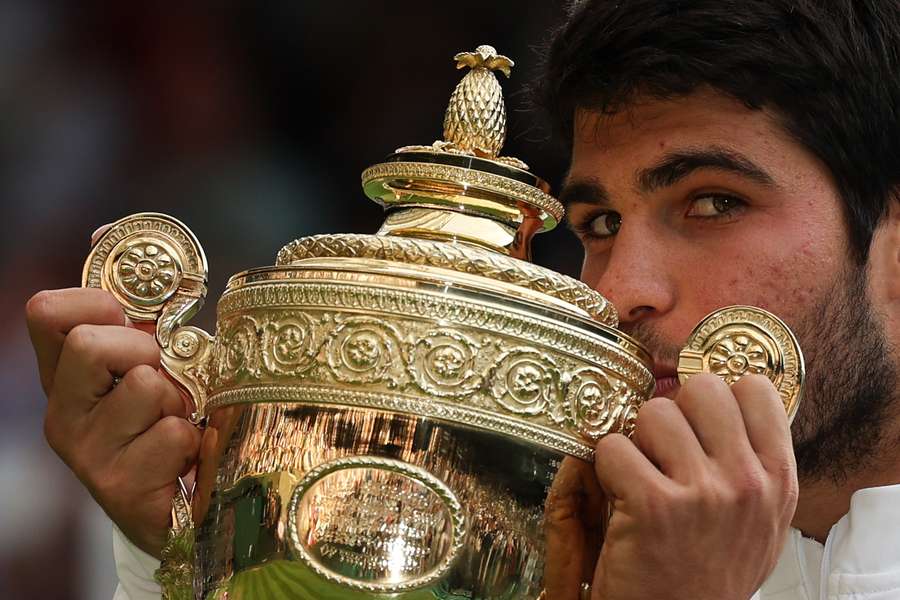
249, 121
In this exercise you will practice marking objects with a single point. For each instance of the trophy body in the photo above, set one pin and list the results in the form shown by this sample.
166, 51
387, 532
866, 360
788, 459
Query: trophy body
384, 415
394, 432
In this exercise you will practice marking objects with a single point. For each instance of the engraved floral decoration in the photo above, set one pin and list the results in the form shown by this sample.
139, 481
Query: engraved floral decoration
237, 354
443, 364
450, 366
592, 402
288, 344
363, 350
185, 344
147, 271
527, 382
734, 356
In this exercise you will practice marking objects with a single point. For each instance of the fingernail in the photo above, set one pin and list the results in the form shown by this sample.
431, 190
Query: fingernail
98, 233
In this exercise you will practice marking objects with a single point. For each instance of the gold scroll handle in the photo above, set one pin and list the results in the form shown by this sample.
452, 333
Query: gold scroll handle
740, 340
155, 267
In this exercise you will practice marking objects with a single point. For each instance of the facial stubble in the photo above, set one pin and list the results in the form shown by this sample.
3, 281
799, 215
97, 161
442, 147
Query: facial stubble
851, 382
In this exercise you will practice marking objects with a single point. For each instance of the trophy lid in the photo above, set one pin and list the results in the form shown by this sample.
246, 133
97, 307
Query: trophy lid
464, 174
458, 207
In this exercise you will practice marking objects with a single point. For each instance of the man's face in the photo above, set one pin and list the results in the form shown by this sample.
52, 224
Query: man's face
690, 205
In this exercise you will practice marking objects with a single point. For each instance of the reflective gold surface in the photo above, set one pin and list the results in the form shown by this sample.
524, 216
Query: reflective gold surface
353, 503
741, 340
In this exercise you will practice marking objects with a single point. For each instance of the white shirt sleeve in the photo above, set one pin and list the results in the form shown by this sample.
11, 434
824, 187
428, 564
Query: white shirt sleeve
135, 569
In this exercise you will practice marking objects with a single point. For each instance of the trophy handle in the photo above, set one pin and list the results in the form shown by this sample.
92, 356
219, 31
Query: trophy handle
741, 340
155, 267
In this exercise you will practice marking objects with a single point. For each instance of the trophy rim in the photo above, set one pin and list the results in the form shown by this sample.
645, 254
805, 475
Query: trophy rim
393, 276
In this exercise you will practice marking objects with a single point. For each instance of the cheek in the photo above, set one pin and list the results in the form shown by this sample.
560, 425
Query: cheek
785, 278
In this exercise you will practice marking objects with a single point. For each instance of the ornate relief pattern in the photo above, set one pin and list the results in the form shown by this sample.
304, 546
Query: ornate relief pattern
470, 177
739, 354
527, 371
364, 350
236, 350
287, 345
527, 382
148, 271
739, 340
153, 266
393, 304
443, 364
470, 260
143, 223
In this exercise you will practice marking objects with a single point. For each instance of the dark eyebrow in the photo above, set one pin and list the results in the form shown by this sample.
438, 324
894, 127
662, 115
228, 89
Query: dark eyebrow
675, 166
587, 191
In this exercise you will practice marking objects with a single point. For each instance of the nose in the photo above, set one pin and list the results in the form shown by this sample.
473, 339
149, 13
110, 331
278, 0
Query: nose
636, 274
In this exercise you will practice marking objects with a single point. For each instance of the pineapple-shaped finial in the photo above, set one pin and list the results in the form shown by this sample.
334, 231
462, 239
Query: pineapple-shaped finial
476, 117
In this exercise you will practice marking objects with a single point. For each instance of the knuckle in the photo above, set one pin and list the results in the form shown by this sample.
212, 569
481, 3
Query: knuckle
82, 341
750, 486
143, 347
108, 309
40, 308
656, 407
180, 435
52, 433
755, 386
661, 502
609, 444
649, 416
702, 386
146, 382
786, 474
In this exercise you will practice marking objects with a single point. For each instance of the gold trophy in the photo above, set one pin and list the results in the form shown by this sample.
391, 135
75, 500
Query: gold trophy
383, 415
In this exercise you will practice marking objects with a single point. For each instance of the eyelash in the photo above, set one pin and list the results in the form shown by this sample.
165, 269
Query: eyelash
584, 230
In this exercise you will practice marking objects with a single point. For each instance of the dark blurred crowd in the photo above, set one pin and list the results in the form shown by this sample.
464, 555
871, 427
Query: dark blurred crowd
250, 122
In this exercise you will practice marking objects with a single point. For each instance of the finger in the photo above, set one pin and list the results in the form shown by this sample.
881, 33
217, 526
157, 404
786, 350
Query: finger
664, 435
51, 314
574, 517
98, 233
165, 451
143, 397
765, 420
622, 469
91, 356
146, 327
709, 406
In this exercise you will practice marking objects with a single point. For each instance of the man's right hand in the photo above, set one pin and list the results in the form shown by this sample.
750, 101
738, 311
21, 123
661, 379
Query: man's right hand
127, 442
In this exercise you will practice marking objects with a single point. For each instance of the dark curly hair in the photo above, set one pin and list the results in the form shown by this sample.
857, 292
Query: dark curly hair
829, 69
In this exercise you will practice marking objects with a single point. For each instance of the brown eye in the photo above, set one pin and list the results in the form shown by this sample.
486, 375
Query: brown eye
606, 225
714, 205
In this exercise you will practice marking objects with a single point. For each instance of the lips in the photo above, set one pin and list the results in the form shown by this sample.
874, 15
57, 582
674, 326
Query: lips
666, 386
666, 381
